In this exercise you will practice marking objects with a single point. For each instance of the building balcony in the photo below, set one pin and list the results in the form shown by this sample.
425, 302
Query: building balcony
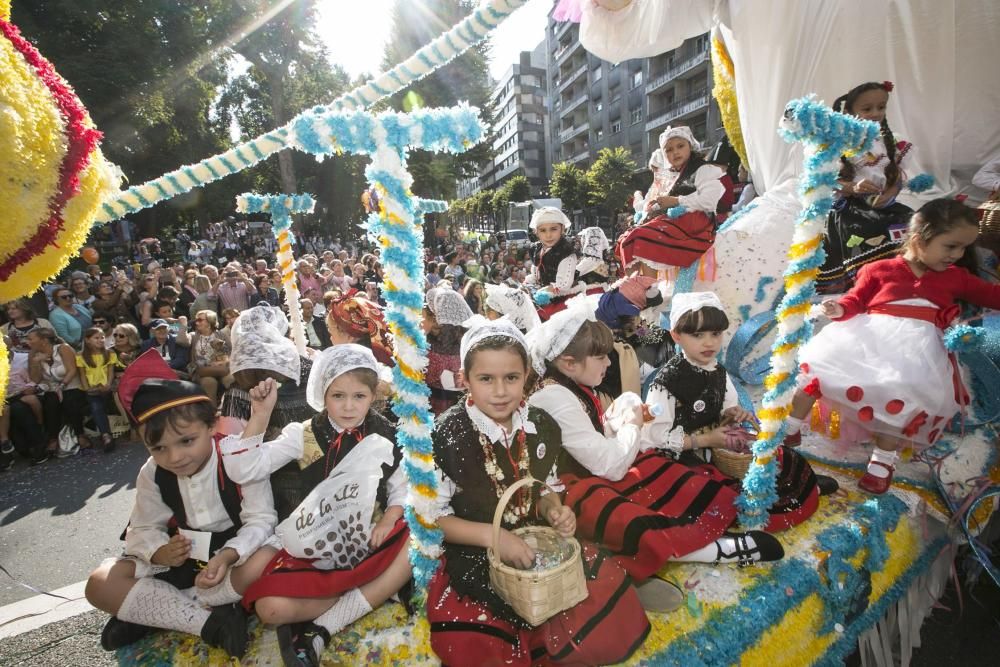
502, 174
663, 78
677, 109
562, 28
568, 134
579, 157
566, 52
582, 99
568, 81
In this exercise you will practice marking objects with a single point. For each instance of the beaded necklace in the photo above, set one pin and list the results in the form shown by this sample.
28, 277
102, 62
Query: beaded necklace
517, 509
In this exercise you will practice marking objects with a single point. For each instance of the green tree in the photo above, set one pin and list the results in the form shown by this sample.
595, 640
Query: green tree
610, 179
414, 25
569, 184
518, 189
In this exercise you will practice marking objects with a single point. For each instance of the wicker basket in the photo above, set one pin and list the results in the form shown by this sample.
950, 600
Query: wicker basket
732, 464
536, 596
989, 226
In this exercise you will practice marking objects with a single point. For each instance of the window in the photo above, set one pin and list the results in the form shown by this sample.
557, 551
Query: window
599, 134
701, 44
616, 126
637, 79
597, 74
636, 115
598, 106
615, 95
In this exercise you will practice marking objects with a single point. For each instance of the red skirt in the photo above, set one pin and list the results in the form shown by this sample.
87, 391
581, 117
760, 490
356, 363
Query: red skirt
663, 242
661, 509
606, 628
291, 577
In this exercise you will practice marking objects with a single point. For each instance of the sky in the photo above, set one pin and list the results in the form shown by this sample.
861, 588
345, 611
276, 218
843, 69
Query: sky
356, 32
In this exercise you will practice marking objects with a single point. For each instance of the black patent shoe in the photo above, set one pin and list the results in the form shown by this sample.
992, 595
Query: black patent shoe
296, 641
118, 633
226, 628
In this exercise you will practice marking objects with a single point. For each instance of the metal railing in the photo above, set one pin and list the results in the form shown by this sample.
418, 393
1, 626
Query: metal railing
675, 71
677, 109
565, 83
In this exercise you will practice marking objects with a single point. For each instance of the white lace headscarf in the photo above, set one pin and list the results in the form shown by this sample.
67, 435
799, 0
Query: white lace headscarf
330, 364
682, 131
548, 214
514, 304
478, 328
448, 306
593, 245
259, 342
549, 340
687, 302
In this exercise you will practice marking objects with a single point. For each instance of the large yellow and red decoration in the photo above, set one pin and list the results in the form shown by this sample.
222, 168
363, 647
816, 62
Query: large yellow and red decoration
53, 175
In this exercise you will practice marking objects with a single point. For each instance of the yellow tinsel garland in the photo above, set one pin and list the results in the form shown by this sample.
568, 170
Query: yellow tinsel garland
724, 92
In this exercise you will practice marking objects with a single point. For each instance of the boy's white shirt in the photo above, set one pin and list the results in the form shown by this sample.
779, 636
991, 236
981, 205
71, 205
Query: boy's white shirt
661, 432
203, 507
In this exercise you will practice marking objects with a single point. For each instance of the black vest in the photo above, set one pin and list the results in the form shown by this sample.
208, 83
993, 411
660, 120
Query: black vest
684, 185
457, 451
291, 484
693, 388
229, 494
548, 264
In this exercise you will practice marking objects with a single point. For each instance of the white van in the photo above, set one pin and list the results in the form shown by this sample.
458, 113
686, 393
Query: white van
517, 238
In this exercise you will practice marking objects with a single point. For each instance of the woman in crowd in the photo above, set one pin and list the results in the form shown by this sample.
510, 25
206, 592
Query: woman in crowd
81, 290
52, 366
22, 322
126, 344
207, 299
69, 319
188, 291
229, 316
209, 357
265, 293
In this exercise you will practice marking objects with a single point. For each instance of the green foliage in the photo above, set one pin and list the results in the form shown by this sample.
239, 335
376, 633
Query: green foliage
415, 24
569, 183
610, 179
518, 189
499, 200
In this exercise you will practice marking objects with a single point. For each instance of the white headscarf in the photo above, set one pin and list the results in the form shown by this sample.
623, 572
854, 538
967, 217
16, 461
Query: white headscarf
449, 307
478, 328
682, 131
514, 304
259, 342
687, 302
549, 340
330, 364
593, 242
548, 214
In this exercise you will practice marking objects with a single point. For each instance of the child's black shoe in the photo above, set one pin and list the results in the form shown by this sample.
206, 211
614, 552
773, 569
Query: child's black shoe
6, 455
297, 642
118, 633
226, 628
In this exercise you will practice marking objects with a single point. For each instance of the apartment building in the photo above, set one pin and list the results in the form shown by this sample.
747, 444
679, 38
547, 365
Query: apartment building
595, 104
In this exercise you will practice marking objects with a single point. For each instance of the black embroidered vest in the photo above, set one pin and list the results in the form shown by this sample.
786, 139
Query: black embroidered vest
459, 454
698, 394
548, 264
684, 185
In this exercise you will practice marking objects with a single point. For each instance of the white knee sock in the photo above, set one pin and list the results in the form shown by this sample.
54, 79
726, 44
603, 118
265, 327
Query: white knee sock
220, 594
351, 606
159, 605
881, 456
794, 425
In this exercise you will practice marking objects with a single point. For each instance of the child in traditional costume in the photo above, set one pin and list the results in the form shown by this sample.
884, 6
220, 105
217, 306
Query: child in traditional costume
867, 223
195, 537
553, 259
700, 409
512, 303
444, 314
645, 506
311, 598
482, 446
882, 362
686, 187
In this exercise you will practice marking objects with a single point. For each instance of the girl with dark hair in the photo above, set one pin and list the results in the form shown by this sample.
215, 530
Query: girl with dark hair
646, 507
444, 314
867, 223
882, 362
681, 180
22, 321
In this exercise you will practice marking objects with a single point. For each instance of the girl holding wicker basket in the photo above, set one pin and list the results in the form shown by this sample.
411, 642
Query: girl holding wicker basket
511, 591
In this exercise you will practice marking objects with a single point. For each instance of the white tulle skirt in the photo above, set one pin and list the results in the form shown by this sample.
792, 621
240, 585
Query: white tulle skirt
886, 374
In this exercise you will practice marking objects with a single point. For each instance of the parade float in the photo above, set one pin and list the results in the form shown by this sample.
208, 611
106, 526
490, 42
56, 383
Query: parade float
864, 572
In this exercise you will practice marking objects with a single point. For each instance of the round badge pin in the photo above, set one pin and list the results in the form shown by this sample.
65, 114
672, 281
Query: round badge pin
699, 406
540, 452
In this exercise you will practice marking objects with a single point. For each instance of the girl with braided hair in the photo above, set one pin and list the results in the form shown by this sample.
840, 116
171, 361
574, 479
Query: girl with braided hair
867, 223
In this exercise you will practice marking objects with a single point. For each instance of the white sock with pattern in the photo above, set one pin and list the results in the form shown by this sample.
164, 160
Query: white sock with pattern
794, 425
220, 594
159, 605
351, 606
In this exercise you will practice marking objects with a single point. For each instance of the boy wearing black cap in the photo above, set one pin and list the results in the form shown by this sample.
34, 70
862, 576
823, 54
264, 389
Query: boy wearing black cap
194, 538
